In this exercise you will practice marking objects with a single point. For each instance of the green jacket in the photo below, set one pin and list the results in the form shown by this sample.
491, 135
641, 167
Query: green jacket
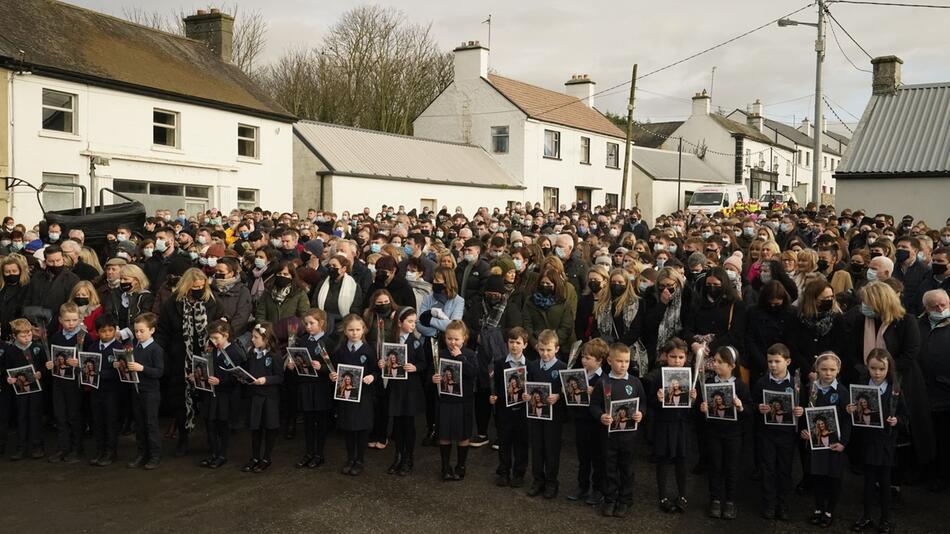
559, 317
297, 303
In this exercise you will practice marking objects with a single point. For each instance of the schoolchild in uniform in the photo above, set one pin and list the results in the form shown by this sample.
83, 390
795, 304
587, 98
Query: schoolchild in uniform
511, 421
776, 443
67, 395
827, 465
670, 428
618, 446
150, 365
723, 437
314, 393
222, 406
455, 414
355, 419
545, 436
29, 408
406, 397
105, 400
587, 435
267, 366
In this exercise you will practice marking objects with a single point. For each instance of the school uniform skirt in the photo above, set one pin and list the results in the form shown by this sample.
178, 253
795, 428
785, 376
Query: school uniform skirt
314, 394
223, 405
264, 413
455, 420
669, 440
356, 416
406, 397
827, 463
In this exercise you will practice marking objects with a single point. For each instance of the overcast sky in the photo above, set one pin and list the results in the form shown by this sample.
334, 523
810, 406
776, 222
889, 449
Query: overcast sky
544, 42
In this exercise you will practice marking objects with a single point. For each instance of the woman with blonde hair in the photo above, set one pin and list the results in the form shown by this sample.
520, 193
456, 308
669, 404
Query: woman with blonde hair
598, 290
13, 291
806, 262
665, 309
618, 318
85, 297
131, 299
89, 257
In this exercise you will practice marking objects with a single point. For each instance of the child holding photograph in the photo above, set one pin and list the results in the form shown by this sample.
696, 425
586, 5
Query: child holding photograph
355, 419
266, 363
406, 397
222, 406
827, 464
150, 365
670, 428
776, 442
877, 447
510, 418
724, 437
456, 412
587, 432
618, 446
104, 401
545, 436
67, 395
21, 352
314, 393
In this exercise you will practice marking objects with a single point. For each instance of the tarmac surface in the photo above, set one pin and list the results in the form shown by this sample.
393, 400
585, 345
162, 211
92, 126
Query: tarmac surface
180, 496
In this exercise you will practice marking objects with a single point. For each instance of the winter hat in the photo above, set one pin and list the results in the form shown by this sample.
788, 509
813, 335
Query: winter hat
502, 264
386, 263
696, 258
215, 251
495, 284
734, 261
314, 246
603, 260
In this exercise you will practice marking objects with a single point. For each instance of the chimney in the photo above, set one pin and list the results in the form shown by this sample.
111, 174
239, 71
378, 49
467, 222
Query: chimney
215, 28
806, 128
580, 86
754, 118
471, 61
701, 103
887, 75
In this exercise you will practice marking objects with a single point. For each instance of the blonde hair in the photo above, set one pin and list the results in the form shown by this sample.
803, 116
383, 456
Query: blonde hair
16, 259
88, 256
628, 296
183, 288
134, 271
93, 294
601, 271
883, 300
828, 355
789, 255
811, 259
772, 247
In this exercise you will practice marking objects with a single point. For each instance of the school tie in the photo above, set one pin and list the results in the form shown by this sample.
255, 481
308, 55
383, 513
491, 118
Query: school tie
352, 348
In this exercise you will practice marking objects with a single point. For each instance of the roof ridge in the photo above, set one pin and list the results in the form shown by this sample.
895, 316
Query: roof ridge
125, 21
390, 134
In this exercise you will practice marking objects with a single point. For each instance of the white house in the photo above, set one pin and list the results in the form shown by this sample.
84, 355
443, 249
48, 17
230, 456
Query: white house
898, 161
340, 168
664, 180
556, 144
97, 101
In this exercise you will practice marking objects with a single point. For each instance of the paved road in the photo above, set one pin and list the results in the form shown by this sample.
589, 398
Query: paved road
58, 498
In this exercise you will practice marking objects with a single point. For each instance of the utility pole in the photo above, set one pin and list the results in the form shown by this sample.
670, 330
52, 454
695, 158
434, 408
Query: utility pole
820, 55
679, 176
627, 151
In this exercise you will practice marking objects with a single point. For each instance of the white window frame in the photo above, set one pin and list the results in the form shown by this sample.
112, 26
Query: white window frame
556, 140
256, 141
616, 147
496, 135
246, 204
585, 150
72, 110
61, 192
551, 196
175, 128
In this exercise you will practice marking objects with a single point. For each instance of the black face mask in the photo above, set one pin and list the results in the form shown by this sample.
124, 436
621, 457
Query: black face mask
617, 289
333, 272
54, 270
714, 292
547, 251
824, 306
547, 291
594, 286
382, 309
775, 307
901, 255
438, 288
81, 301
197, 294
282, 281
857, 268
822, 265
125, 286
11, 279
876, 254
381, 276
938, 268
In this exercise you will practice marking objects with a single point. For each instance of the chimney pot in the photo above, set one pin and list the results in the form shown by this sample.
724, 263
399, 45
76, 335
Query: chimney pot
701, 103
202, 12
216, 29
215, 10
581, 87
887, 75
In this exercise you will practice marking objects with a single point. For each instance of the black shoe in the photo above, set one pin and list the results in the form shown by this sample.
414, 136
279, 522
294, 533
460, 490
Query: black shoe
715, 509
782, 513
348, 467
406, 468
207, 461
680, 505
621, 510
885, 527
153, 463
478, 441
106, 459
535, 490
607, 509
502, 481
862, 524
729, 510
580, 494
38, 453
517, 481
448, 475
667, 506
16, 456
250, 465
95, 461
594, 498
357, 469
459, 472
815, 518
394, 468
218, 462
550, 491
316, 462
262, 465
71, 458
826, 521
56, 457
139, 461
304, 462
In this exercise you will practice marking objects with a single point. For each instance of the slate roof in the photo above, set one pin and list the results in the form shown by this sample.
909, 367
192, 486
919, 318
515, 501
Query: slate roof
664, 165
652, 135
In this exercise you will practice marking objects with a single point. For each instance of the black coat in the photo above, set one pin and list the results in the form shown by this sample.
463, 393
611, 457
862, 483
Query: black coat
170, 336
935, 362
407, 397
764, 328
139, 303
653, 310
11, 307
714, 318
236, 306
50, 292
913, 278
805, 344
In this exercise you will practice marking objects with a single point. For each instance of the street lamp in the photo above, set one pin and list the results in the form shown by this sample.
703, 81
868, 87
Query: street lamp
820, 54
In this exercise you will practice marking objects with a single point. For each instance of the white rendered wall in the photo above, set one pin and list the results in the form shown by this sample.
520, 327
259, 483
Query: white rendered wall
351, 194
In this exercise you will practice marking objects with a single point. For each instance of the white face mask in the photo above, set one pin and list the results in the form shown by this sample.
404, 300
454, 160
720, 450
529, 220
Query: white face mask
412, 277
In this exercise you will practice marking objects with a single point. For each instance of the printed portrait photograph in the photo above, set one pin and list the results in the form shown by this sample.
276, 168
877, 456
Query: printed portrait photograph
25, 380
574, 387
303, 363
395, 356
719, 401
451, 373
201, 372
868, 411
781, 404
622, 413
349, 383
677, 382
823, 426
90, 364
537, 405
122, 360
514, 385
60, 355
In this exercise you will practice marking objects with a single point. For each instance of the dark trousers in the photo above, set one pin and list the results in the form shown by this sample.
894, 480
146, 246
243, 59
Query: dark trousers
315, 429
827, 491
67, 409
432, 399
723, 453
877, 482
776, 454
512, 444
219, 433
288, 400
6, 411
380, 432
545, 440
404, 431
941, 421
148, 438
356, 441
482, 411
105, 419
589, 438
29, 419
618, 463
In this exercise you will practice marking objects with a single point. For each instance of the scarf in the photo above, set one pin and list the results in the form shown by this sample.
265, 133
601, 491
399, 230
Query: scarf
820, 323
194, 329
873, 337
671, 323
606, 320
280, 295
344, 301
257, 288
494, 313
542, 302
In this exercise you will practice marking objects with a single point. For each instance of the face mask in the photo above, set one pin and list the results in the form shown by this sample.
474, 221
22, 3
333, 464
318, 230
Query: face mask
259, 263
197, 294
275, 243
844, 228
202, 261
871, 275
748, 231
561, 253
518, 264
713, 292
658, 247
125, 286
614, 232
194, 256
212, 262
160, 245
546, 291
937, 317
822, 265
901, 255
54, 270
945, 239
921, 257
122, 237
54, 236
9, 228
939, 268
875, 254
412, 277
81, 301
867, 311
673, 248
282, 281
643, 286
857, 268
594, 286
732, 275
824, 306
617, 290
333, 272
438, 288
706, 235
738, 233
382, 309
11, 279
17, 245
470, 258
439, 234
147, 252
765, 277
375, 248
785, 227
244, 235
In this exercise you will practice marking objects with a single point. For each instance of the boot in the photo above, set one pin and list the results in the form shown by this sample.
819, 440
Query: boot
182, 448
429, 440
396, 465
406, 467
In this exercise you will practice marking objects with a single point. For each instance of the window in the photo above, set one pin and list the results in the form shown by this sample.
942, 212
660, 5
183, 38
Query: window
59, 111
247, 141
788, 168
499, 139
165, 128
748, 157
129, 186
168, 190
550, 198
62, 197
585, 150
824, 162
774, 163
808, 159
613, 155
247, 199
612, 200
831, 190
833, 160
799, 157
552, 144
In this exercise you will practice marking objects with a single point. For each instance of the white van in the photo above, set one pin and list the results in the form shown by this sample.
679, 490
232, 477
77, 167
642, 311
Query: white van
712, 198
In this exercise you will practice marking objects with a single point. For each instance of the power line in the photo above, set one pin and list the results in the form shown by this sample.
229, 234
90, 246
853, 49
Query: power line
893, 4
827, 103
846, 32
843, 53
842, 107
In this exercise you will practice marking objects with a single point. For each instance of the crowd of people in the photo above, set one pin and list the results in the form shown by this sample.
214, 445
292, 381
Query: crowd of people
192, 316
